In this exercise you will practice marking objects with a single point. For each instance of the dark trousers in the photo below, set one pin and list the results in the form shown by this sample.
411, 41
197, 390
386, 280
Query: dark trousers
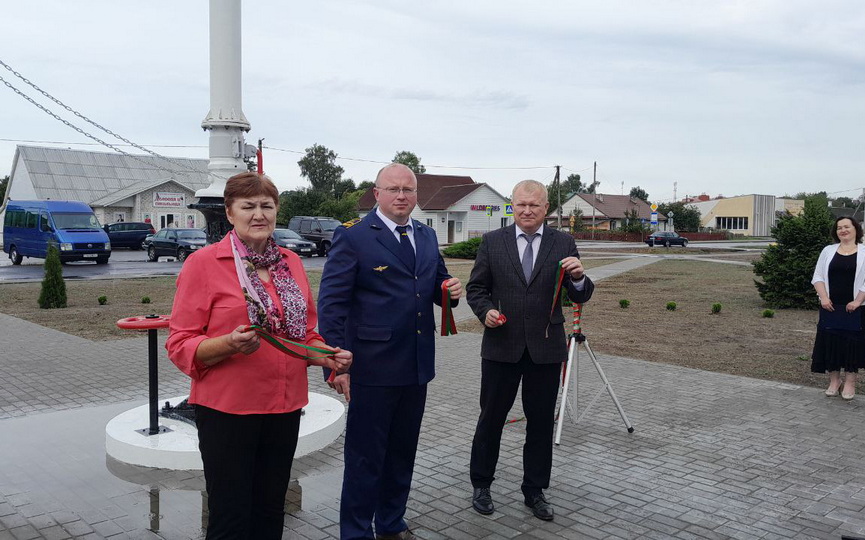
247, 466
381, 436
499, 383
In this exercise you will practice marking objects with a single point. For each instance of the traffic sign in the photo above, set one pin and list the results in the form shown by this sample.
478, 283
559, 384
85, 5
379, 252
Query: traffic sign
654, 207
654, 218
509, 210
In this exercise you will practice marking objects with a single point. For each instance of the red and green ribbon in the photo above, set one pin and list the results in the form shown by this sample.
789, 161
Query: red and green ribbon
560, 279
284, 345
449, 326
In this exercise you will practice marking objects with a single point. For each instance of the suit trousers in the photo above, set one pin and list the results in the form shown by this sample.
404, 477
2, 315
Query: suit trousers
247, 466
499, 383
381, 436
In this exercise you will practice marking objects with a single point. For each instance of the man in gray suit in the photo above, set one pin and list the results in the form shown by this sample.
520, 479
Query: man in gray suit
515, 275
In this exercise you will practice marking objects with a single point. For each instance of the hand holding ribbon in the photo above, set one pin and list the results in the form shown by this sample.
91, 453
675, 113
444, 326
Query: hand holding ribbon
451, 290
335, 359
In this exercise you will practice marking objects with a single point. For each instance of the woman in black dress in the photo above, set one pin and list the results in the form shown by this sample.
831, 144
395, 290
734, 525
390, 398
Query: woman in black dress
839, 279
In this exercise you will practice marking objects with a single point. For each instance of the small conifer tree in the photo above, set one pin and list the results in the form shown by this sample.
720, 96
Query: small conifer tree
787, 266
53, 294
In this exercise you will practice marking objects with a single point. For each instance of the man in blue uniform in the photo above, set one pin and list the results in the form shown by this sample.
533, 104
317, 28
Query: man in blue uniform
382, 276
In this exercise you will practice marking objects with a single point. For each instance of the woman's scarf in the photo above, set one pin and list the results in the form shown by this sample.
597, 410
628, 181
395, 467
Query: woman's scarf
259, 305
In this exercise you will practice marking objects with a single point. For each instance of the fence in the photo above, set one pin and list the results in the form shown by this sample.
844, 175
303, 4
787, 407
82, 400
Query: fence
620, 236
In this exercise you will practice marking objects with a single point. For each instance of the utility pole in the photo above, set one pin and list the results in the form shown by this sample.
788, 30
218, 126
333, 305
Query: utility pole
558, 183
594, 197
675, 185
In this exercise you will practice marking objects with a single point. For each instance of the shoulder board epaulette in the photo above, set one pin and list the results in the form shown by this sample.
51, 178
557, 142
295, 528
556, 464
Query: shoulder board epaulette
351, 223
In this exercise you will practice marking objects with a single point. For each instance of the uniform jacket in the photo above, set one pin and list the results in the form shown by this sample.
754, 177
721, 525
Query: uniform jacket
497, 280
209, 303
371, 303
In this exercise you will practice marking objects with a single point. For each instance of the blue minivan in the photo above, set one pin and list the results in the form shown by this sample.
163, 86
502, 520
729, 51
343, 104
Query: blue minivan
29, 227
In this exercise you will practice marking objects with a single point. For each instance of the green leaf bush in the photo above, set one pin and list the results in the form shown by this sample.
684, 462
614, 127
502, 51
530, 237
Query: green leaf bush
768, 313
671, 306
624, 303
102, 300
716, 308
463, 250
145, 299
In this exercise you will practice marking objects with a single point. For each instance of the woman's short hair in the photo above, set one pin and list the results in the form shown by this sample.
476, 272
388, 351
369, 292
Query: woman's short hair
856, 225
249, 184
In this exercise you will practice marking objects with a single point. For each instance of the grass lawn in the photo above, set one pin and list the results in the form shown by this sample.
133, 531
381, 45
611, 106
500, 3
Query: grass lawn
738, 340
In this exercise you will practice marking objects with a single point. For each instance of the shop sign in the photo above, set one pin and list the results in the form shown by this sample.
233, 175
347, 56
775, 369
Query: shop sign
486, 207
166, 199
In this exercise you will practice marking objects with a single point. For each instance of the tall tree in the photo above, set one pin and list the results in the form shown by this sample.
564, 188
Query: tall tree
342, 187
4, 183
686, 217
319, 166
410, 160
786, 267
639, 193
365, 185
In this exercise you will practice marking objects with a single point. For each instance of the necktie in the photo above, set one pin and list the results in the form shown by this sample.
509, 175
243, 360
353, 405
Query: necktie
405, 248
528, 255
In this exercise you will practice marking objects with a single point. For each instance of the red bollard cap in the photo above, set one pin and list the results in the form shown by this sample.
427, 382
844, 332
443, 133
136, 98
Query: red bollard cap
144, 322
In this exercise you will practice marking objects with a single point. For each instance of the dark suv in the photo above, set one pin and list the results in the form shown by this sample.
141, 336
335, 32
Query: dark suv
315, 229
128, 234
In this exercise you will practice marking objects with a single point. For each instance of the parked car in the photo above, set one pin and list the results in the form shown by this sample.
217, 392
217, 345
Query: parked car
178, 243
128, 234
293, 241
315, 229
666, 239
29, 227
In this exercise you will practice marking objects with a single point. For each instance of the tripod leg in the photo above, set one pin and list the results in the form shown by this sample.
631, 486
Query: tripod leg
609, 387
567, 383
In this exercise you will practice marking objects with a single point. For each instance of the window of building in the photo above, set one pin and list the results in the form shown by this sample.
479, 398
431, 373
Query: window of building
504, 222
732, 223
429, 222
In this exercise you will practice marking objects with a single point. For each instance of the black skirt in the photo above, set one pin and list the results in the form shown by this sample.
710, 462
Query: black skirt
838, 349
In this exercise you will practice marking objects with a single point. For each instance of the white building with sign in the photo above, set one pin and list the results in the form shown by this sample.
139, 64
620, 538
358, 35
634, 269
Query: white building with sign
118, 187
456, 207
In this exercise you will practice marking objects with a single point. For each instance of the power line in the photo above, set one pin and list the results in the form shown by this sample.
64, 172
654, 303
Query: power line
379, 162
91, 122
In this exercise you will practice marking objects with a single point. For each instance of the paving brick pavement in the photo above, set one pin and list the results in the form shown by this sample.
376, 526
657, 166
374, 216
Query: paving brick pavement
713, 455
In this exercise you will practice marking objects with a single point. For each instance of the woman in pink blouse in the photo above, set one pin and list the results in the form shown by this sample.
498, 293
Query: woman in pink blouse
247, 396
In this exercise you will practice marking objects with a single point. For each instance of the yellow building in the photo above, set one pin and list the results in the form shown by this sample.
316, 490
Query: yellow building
749, 215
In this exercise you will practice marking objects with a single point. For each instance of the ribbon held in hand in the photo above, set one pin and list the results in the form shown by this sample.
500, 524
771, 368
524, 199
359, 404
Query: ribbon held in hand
449, 326
283, 345
560, 279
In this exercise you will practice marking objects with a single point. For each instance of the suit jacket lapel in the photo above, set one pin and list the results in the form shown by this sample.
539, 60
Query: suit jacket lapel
510, 239
543, 251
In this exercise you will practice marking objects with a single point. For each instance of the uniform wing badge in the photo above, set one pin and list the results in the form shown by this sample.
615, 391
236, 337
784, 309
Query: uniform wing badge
351, 223
380, 268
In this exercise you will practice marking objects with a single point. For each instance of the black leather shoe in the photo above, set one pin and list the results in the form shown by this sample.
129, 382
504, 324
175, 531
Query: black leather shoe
540, 507
482, 501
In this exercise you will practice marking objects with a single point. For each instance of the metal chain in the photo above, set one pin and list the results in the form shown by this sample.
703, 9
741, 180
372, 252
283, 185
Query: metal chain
89, 121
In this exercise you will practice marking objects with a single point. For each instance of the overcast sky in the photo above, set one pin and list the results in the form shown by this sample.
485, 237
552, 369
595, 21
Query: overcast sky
722, 97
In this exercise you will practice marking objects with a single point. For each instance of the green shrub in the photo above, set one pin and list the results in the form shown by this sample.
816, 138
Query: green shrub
671, 306
768, 313
716, 308
145, 299
786, 267
624, 303
53, 293
102, 300
463, 250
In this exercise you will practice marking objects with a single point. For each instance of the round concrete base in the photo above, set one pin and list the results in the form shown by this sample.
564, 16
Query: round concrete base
322, 422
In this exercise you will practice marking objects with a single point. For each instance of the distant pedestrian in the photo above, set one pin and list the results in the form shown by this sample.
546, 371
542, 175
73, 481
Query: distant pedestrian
247, 398
839, 279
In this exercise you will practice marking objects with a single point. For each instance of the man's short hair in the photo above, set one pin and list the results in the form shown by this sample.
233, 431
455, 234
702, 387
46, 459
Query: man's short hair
530, 186
393, 166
